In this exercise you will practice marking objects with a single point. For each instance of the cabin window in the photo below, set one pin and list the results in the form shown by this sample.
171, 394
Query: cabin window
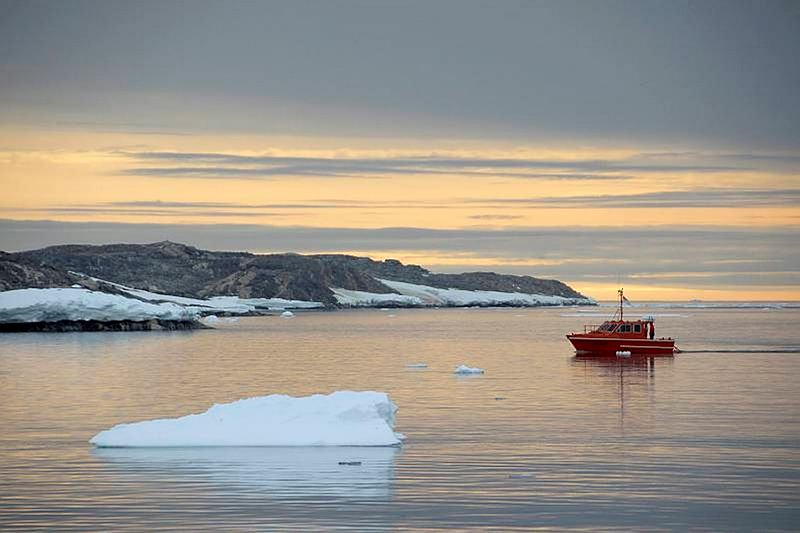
626, 328
637, 328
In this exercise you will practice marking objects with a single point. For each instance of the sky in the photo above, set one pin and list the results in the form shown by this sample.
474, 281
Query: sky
647, 144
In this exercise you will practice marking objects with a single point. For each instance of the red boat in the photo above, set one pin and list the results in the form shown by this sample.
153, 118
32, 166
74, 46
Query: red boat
622, 337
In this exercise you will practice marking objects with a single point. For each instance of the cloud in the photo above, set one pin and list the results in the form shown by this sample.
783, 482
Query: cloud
109, 210
495, 217
693, 198
211, 165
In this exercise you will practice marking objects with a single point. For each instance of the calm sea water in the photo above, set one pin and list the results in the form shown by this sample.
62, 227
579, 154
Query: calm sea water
542, 440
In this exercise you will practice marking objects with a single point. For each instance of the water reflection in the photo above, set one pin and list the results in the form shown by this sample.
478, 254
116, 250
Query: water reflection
282, 472
632, 379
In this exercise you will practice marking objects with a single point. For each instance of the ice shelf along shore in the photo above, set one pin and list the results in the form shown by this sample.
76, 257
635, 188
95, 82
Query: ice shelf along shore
413, 295
352, 298
342, 418
72, 304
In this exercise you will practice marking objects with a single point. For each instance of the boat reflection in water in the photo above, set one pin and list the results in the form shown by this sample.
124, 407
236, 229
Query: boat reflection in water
632, 380
364, 473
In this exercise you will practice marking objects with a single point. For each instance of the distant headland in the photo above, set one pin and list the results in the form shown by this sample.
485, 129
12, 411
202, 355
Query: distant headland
164, 282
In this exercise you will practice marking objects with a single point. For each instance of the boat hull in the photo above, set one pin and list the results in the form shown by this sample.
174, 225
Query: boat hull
596, 345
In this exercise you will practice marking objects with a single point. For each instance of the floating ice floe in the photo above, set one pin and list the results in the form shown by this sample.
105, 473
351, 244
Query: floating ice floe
54, 305
343, 418
287, 314
417, 365
464, 369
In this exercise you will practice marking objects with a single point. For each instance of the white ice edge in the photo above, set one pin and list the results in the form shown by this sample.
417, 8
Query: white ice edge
53, 305
372, 299
342, 418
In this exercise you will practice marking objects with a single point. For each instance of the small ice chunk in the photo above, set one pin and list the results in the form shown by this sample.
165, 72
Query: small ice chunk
210, 319
287, 314
464, 369
417, 365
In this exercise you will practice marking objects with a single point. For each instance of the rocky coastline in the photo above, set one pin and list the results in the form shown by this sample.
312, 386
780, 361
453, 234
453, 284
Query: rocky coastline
169, 286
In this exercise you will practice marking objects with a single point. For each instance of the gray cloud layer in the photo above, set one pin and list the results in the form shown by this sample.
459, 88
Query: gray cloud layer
717, 71
662, 199
695, 198
219, 165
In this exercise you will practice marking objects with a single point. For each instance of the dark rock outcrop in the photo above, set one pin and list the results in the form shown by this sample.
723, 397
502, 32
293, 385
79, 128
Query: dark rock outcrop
17, 272
172, 268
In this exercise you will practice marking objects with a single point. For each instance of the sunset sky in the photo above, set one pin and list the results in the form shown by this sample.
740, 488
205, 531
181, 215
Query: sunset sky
653, 145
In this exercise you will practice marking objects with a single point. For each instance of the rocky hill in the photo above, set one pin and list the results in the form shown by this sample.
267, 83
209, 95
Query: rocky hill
173, 268
20, 273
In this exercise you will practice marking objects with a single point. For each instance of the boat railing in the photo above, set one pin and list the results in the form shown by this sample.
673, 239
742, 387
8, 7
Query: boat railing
588, 328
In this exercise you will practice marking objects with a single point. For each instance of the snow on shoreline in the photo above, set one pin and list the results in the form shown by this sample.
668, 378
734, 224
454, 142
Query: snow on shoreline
343, 418
373, 299
465, 298
80, 304
413, 295
54, 305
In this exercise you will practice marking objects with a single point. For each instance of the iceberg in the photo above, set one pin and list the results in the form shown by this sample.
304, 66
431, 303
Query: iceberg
287, 314
54, 305
342, 418
464, 369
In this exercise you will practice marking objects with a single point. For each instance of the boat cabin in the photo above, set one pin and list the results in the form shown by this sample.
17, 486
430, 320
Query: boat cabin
634, 329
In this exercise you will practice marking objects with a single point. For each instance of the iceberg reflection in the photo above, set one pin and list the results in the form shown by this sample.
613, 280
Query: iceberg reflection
283, 472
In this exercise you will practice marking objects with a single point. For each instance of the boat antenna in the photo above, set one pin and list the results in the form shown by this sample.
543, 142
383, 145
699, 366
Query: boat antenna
621, 298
